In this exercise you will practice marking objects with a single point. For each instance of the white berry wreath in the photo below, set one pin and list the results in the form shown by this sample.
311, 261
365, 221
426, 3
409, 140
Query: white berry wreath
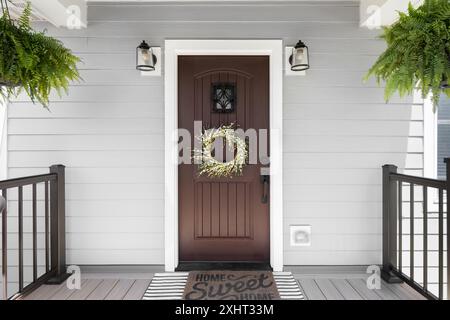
213, 168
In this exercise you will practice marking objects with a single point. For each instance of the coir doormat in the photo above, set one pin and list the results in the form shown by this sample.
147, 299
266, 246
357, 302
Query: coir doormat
223, 285
229, 285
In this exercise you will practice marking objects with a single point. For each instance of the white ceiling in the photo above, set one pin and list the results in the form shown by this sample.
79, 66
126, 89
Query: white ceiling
150, 1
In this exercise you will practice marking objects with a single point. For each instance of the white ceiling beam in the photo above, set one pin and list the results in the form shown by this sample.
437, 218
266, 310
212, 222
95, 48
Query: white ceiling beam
71, 14
375, 14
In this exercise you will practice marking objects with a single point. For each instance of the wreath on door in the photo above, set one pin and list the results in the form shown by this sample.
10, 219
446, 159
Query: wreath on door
208, 165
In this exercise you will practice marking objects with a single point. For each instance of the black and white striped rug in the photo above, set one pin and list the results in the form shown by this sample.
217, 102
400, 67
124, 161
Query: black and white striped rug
171, 286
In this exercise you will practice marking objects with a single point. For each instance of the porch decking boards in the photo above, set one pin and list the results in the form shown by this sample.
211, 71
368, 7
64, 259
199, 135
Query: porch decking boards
322, 287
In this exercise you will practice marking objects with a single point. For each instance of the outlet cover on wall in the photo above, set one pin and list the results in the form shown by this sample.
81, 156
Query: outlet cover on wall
300, 235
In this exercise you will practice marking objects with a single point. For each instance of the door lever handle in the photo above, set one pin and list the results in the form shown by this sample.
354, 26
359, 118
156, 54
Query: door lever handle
265, 180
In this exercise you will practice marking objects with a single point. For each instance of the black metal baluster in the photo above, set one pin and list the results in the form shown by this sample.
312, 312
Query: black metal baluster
441, 243
5, 245
425, 238
20, 218
426, 183
411, 231
400, 226
57, 225
447, 188
47, 247
54, 219
390, 233
34, 233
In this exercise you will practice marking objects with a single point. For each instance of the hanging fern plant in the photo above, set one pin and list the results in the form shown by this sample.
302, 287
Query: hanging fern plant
32, 61
418, 53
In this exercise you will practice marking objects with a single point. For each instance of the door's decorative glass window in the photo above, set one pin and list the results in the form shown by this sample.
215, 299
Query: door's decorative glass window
223, 97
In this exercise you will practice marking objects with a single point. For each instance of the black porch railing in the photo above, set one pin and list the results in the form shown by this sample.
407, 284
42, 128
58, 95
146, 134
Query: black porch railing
54, 229
417, 271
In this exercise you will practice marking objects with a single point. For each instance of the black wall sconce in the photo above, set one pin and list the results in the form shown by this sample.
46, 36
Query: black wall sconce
299, 58
145, 59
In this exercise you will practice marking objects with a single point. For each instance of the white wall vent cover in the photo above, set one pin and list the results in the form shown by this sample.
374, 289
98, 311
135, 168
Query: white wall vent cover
300, 236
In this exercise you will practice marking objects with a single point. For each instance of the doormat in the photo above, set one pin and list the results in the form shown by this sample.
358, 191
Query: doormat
231, 285
224, 285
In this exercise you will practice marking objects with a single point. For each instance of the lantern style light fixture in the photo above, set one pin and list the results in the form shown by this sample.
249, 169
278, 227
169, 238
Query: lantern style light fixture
299, 58
145, 59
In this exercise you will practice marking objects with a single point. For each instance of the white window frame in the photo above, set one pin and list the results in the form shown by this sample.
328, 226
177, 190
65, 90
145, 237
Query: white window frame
274, 50
429, 139
3, 139
430, 152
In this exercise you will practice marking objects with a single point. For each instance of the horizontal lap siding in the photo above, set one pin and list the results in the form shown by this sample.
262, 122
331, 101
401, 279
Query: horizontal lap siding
108, 131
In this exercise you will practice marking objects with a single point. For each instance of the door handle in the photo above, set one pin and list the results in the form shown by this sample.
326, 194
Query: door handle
265, 180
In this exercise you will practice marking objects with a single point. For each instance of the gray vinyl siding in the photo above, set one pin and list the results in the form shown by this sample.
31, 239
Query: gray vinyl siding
338, 131
443, 135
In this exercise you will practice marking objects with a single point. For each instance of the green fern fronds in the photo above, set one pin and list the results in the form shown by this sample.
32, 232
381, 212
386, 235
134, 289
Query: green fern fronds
418, 52
25, 18
33, 62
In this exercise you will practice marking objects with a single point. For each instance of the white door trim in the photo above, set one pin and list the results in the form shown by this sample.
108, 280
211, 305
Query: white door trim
175, 48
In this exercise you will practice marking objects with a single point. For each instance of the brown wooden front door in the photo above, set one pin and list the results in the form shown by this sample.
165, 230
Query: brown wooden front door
223, 219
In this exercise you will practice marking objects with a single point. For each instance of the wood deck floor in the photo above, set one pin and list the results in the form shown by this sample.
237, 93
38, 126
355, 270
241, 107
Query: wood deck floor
315, 287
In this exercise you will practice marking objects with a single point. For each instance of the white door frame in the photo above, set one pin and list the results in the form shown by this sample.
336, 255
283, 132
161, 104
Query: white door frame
175, 48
